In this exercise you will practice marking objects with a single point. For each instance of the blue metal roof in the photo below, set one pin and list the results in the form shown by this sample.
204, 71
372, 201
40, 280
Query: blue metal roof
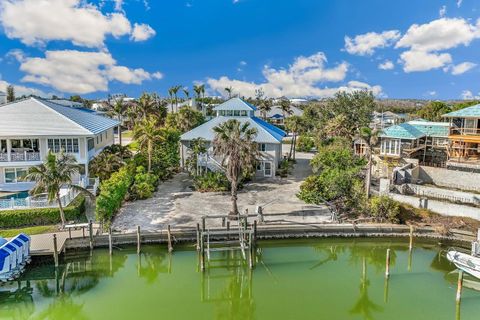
470, 112
85, 118
235, 104
402, 131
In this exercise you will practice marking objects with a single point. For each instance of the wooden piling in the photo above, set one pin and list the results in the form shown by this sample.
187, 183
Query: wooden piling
90, 233
459, 286
387, 264
203, 223
202, 253
250, 250
169, 235
410, 246
255, 233
55, 250
110, 240
138, 240
70, 233
228, 229
198, 237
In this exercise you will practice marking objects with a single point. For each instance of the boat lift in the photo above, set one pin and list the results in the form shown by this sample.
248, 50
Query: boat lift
240, 236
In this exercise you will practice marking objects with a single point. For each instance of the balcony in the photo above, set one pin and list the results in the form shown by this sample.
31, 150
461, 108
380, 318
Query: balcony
454, 131
20, 156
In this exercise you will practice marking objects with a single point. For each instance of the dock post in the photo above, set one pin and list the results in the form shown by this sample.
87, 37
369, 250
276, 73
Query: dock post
250, 250
203, 224
169, 235
223, 222
387, 264
110, 240
90, 233
255, 232
138, 240
228, 229
410, 246
198, 237
459, 286
55, 250
202, 253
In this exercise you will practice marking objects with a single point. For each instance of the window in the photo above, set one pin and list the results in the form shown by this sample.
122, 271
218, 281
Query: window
243, 113
3, 146
259, 166
13, 175
90, 144
236, 113
67, 145
262, 147
97, 139
391, 147
229, 113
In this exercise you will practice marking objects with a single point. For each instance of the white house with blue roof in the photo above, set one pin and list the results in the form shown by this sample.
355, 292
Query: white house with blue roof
31, 127
269, 137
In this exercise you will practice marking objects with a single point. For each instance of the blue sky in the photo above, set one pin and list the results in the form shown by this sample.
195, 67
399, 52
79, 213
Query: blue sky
398, 49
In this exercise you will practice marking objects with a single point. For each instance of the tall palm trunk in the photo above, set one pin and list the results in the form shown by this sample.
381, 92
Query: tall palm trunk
149, 151
60, 207
294, 145
234, 198
369, 173
120, 134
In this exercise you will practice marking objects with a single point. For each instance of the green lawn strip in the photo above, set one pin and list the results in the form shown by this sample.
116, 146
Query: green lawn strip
8, 233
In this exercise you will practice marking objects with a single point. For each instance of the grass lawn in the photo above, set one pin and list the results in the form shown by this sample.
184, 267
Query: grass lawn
7, 233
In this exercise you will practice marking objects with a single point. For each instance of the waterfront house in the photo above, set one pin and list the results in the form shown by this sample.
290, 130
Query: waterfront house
269, 137
464, 139
419, 139
276, 115
31, 127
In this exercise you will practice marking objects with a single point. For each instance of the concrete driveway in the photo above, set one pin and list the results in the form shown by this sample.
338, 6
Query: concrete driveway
175, 204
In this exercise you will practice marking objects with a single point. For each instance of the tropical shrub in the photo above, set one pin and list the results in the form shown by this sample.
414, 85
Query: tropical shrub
144, 184
211, 182
305, 143
285, 168
110, 160
385, 208
112, 193
43, 216
166, 154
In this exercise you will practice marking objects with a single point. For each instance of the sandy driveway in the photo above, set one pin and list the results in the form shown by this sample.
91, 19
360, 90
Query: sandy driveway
175, 204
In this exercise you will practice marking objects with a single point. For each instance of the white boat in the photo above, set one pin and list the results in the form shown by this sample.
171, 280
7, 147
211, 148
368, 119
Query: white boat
465, 262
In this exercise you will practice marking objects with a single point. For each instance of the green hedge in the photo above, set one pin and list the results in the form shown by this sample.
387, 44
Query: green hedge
112, 193
42, 216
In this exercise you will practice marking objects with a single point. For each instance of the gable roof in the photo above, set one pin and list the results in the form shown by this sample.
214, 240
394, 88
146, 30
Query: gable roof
38, 117
235, 104
470, 112
276, 112
402, 131
266, 133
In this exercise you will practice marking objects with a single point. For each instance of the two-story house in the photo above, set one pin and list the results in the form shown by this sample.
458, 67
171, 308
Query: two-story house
464, 139
269, 137
31, 127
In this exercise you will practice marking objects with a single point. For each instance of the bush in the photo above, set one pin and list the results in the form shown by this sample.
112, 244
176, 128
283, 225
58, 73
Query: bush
112, 193
285, 168
305, 143
211, 182
144, 184
384, 208
42, 216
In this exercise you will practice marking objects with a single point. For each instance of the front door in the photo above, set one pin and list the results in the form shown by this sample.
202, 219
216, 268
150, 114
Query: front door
267, 169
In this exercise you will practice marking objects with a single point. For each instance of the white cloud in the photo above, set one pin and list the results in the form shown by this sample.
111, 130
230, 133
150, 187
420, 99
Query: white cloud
118, 5
459, 3
468, 95
414, 61
460, 68
432, 93
440, 34
365, 44
243, 63
386, 65
16, 54
80, 72
301, 79
22, 90
142, 32
443, 11
35, 22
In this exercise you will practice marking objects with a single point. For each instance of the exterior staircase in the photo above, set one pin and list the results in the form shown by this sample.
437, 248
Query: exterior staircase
209, 162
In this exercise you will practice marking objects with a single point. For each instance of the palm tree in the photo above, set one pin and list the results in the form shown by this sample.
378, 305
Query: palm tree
370, 138
286, 107
294, 125
170, 95
234, 141
146, 133
49, 177
145, 105
229, 90
118, 110
173, 92
265, 107
186, 92
198, 89
104, 164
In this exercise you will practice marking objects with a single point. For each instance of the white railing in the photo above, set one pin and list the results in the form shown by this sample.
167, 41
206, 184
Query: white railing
3, 156
30, 202
205, 160
24, 156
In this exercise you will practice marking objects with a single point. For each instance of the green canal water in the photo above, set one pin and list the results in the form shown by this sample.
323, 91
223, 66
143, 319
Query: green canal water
314, 279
